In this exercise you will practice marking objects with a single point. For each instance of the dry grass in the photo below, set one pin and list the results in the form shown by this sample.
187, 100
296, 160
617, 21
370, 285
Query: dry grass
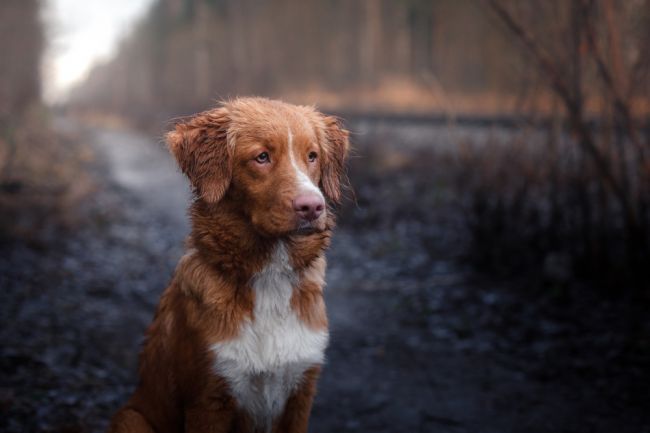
395, 95
43, 177
540, 207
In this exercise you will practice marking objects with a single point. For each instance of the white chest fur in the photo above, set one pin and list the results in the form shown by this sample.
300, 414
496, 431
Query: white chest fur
265, 362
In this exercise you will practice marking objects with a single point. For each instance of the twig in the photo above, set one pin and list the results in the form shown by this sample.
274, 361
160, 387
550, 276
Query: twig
574, 106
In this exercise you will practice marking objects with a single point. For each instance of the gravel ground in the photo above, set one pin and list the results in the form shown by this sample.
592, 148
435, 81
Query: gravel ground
419, 343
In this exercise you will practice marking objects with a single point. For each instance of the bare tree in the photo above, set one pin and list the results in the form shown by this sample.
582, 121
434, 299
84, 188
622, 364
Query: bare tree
588, 73
21, 44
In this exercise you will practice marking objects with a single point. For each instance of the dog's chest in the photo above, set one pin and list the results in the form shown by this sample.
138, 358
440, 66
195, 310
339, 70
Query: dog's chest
266, 361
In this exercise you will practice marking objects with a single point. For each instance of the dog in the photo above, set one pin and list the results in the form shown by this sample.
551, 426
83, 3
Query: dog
238, 339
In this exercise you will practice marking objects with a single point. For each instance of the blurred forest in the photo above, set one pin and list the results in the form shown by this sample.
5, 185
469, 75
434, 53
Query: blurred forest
372, 55
37, 166
490, 271
21, 44
575, 73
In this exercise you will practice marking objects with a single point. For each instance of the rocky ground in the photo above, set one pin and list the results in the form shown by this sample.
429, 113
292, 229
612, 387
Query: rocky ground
419, 342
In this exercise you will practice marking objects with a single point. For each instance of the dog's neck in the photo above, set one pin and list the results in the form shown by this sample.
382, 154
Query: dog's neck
228, 242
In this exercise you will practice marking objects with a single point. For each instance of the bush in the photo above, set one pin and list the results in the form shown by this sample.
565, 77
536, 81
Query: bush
536, 204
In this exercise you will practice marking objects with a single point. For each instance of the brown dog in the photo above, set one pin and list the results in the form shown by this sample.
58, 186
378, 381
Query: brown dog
239, 336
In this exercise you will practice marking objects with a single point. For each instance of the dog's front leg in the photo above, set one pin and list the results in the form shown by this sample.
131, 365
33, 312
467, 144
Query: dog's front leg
295, 418
129, 420
211, 415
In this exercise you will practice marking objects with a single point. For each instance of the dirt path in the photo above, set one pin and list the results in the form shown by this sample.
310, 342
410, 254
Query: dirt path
416, 344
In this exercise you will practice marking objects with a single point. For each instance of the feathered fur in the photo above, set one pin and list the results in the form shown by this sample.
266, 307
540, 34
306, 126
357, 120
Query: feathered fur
238, 339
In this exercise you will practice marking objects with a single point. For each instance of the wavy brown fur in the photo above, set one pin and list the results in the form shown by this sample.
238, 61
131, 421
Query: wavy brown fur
238, 216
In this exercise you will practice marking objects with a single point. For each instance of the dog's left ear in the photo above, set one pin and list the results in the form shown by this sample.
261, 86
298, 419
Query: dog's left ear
203, 153
336, 152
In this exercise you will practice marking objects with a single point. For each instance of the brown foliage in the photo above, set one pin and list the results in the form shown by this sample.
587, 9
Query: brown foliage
588, 195
21, 45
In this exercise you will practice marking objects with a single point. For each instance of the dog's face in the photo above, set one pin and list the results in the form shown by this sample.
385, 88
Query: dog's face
279, 163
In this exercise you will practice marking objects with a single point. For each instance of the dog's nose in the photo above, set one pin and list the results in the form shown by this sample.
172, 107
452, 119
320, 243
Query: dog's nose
309, 206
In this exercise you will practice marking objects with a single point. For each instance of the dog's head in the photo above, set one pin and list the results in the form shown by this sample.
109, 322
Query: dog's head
278, 163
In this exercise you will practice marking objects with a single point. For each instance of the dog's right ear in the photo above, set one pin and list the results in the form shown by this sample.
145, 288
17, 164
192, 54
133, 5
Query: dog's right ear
203, 153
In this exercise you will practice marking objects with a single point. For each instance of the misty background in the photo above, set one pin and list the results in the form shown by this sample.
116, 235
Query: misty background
490, 271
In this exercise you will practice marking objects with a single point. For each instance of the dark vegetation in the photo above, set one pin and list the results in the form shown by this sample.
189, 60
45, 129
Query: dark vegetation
489, 275
21, 43
37, 165
21, 40
573, 197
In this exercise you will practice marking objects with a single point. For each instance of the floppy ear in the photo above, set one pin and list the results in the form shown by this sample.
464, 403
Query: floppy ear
336, 152
201, 149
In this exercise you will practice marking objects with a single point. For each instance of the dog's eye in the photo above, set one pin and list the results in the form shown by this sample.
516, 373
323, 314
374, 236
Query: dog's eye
262, 158
312, 156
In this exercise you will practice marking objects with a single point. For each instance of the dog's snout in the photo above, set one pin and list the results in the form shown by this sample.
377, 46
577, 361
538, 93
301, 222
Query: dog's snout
309, 206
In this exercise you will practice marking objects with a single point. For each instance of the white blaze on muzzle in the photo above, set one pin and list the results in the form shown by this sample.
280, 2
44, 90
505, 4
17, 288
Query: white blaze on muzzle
304, 182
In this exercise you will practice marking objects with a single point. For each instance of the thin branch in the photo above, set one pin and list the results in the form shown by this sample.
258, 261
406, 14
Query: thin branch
620, 104
573, 106
540, 54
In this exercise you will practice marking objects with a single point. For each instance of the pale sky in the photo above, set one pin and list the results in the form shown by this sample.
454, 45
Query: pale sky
80, 33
